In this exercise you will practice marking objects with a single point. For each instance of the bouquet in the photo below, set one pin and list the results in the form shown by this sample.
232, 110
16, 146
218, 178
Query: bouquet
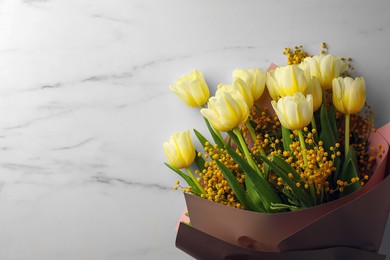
294, 168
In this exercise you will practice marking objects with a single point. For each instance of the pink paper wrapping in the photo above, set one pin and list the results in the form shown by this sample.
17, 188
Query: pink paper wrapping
355, 221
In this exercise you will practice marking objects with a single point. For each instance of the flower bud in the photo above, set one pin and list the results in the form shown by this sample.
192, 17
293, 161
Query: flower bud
226, 112
314, 88
239, 90
180, 150
254, 78
349, 95
285, 81
325, 68
294, 112
192, 89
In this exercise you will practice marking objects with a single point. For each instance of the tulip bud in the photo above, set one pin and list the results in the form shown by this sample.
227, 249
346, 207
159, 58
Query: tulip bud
180, 150
285, 81
239, 90
314, 88
294, 112
349, 94
192, 89
225, 112
272, 85
325, 68
254, 78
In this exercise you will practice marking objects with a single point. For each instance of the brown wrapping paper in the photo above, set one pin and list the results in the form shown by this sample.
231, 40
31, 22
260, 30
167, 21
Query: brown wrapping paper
203, 246
353, 224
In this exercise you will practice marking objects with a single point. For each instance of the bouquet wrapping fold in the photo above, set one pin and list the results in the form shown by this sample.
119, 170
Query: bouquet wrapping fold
351, 227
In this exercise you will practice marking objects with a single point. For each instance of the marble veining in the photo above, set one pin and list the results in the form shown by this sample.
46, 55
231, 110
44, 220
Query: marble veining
85, 107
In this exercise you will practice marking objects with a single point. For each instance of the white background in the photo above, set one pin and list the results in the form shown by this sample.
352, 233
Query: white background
85, 107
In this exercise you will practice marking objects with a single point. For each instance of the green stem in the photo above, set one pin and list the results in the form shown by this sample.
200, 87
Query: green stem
251, 131
303, 146
248, 155
217, 132
254, 137
347, 123
195, 180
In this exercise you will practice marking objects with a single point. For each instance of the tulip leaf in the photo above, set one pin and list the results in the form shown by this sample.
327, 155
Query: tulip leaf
216, 138
199, 161
332, 121
287, 141
326, 133
201, 138
300, 194
286, 167
252, 194
266, 171
291, 198
237, 188
189, 181
234, 137
267, 194
350, 170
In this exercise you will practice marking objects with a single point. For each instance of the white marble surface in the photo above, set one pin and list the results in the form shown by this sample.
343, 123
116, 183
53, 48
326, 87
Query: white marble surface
85, 107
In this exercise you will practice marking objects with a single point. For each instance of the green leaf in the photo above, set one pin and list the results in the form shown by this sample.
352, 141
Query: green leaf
266, 171
261, 185
253, 195
282, 206
327, 135
286, 167
216, 138
234, 137
287, 141
291, 198
236, 187
199, 161
201, 138
189, 181
350, 170
298, 192
332, 121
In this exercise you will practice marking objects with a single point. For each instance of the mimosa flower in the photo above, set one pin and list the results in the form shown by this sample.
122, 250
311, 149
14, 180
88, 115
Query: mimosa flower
225, 112
254, 78
325, 68
238, 90
349, 94
294, 112
285, 81
180, 150
192, 89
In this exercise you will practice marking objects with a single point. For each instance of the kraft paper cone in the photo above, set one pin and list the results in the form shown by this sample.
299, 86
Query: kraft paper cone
358, 219
203, 246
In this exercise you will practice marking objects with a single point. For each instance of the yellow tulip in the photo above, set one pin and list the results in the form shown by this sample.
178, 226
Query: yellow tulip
314, 88
254, 78
272, 85
294, 112
192, 89
225, 112
325, 68
285, 81
238, 90
349, 94
180, 150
